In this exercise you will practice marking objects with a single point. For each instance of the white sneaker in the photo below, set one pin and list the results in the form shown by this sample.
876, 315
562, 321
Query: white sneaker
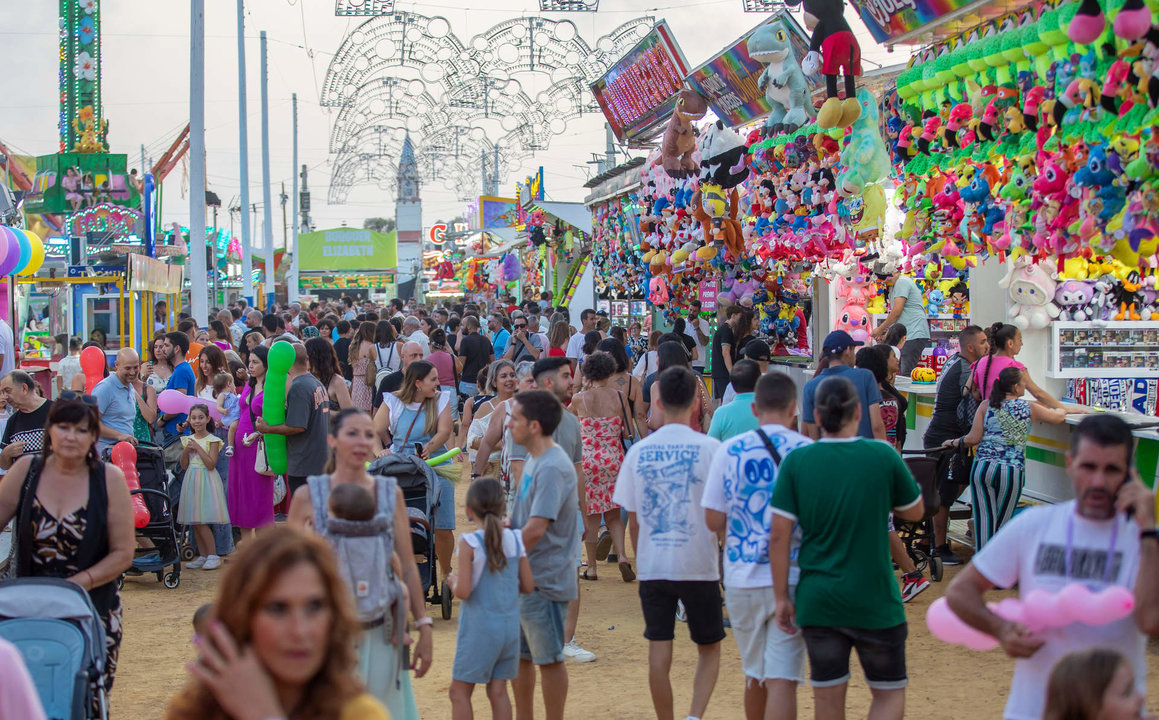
196, 564
212, 562
572, 651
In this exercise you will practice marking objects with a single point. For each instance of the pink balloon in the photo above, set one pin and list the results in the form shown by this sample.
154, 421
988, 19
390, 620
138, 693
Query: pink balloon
946, 626
175, 403
1009, 609
1042, 610
1114, 603
1077, 603
7, 240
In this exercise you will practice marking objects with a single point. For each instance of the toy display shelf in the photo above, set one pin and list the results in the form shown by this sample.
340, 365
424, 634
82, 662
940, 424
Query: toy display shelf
1111, 349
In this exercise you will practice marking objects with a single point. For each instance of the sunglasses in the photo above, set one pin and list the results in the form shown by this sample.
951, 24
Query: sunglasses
71, 396
520, 327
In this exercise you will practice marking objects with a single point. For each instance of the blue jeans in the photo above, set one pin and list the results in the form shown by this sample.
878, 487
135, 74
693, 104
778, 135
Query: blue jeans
468, 389
541, 624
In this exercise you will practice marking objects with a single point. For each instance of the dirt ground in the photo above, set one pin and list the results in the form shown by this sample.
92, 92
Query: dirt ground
945, 682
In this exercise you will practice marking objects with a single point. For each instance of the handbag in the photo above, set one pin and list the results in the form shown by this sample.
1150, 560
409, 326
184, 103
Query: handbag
627, 442
968, 405
261, 462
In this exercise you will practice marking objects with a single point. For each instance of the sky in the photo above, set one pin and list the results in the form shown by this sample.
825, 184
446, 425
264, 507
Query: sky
145, 46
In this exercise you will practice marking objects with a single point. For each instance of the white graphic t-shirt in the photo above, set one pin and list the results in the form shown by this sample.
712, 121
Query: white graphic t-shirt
740, 484
1032, 550
661, 480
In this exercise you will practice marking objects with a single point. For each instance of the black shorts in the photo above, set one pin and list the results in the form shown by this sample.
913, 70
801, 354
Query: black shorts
702, 604
293, 482
880, 652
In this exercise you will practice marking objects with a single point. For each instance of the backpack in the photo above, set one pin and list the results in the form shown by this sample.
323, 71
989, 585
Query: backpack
383, 366
363, 551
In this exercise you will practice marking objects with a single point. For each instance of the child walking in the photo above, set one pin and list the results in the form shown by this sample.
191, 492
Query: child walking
202, 494
488, 641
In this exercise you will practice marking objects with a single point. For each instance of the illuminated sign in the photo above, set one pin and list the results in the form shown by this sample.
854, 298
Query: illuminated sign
438, 233
639, 92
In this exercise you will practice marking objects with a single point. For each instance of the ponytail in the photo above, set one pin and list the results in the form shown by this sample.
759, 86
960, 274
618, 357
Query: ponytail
999, 335
493, 542
1004, 385
486, 502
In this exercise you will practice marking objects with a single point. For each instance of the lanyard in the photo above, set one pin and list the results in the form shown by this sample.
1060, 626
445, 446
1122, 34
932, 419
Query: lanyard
1110, 550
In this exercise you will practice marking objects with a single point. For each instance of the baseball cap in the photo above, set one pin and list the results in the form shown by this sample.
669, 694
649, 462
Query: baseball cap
757, 350
838, 342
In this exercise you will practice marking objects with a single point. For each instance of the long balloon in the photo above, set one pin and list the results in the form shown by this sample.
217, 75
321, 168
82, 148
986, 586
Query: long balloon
174, 402
124, 456
439, 459
278, 364
93, 364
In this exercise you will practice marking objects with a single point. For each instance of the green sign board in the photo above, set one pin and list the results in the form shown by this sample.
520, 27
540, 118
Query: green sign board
67, 183
346, 249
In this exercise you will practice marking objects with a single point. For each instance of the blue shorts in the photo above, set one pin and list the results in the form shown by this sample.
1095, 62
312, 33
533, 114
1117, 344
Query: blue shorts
541, 628
445, 514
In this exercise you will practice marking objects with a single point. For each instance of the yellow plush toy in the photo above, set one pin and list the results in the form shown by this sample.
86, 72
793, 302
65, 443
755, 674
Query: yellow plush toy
923, 374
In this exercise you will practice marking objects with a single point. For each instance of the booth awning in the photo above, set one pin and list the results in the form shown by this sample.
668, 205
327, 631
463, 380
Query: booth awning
574, 214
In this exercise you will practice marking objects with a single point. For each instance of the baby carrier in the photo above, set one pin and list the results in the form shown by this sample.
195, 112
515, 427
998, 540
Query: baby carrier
363, 550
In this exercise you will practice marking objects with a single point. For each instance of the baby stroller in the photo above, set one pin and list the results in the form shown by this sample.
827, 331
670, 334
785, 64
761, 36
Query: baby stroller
421, 491
918, 537
62, 640
162, 529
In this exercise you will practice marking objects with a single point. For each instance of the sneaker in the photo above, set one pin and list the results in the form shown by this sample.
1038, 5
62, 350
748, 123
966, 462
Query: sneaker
212, 562
573, 652
197, 563
913, 585
613, 557
947, 556
603, 545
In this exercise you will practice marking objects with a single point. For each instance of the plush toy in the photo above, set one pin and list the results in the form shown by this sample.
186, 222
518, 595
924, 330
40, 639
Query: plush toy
1073, 298
680, 136
935, 302
1031, 291
834, 50
854, 319
722, 156
783, 81
1127, 296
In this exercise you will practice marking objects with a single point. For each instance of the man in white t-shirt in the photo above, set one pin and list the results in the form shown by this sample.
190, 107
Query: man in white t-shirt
697, 329
575, 346
660, 484
1089, 540
7, 349
736, 502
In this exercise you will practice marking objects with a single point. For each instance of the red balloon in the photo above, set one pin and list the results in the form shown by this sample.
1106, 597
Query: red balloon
93, 364
124, 456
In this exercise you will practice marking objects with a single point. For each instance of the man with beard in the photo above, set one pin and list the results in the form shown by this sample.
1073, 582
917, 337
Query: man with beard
1092, 540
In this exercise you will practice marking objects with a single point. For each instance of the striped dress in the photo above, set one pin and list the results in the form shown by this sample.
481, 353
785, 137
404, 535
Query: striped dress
999, 471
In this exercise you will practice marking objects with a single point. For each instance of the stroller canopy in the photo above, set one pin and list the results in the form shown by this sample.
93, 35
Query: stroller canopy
42, 597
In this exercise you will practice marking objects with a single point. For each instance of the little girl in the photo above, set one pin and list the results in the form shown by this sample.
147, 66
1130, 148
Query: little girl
225, 392
202, 494
488, 644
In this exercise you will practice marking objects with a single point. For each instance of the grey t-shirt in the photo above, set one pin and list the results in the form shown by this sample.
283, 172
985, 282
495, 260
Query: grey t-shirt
913, 315
307, 406
567, 436
549, 490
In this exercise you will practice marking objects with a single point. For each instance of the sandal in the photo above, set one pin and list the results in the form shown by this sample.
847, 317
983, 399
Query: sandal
592, 578
626, 572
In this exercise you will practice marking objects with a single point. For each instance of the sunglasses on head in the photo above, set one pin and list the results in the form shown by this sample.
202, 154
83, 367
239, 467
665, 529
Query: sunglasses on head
71, 395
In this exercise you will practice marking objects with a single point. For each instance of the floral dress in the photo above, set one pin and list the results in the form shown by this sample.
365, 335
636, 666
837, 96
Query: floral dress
603, 455
361, 394
56, 547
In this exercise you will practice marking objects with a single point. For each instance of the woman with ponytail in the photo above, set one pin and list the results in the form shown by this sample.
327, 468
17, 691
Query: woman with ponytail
496, 571
1005, 343
1001, 428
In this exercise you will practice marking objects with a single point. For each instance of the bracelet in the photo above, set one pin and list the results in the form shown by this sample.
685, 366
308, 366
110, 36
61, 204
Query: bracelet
92, 582
1152, 533
424, 621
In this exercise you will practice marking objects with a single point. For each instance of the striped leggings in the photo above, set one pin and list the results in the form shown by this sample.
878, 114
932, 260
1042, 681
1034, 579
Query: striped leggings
996, 488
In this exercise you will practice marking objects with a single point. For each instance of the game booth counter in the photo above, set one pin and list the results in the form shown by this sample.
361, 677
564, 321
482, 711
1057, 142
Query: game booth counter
332, 263
1011, 169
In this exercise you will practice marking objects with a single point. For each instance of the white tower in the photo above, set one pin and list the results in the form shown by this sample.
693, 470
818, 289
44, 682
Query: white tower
408, 215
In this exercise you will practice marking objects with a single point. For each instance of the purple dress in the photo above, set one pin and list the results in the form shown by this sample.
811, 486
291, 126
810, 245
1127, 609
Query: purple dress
251, 496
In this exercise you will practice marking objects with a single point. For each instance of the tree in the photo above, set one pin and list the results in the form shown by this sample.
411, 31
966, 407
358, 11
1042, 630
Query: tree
382, 225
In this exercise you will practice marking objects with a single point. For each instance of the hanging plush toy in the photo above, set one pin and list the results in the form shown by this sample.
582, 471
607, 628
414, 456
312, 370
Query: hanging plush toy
680, 137
722, 156
783, 81
835, 51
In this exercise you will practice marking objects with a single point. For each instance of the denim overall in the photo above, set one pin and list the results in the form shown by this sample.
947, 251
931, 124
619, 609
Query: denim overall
488, 640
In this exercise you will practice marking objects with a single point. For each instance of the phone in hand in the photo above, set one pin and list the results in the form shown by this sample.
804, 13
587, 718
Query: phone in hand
419, 449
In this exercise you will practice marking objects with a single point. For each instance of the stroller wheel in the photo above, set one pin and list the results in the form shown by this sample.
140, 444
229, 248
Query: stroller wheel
446, 601
936, 568
187, 553
171, 580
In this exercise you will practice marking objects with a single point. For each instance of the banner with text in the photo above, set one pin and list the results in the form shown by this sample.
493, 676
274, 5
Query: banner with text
888, 19
347, 249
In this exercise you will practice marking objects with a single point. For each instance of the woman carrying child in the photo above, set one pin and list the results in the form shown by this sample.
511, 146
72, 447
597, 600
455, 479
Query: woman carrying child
352, 445
202, 494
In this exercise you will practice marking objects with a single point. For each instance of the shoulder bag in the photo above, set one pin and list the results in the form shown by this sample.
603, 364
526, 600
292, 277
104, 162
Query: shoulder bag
261, 462
627, 442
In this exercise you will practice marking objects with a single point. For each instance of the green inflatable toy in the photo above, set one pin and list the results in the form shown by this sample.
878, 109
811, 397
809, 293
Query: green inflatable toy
439, 459
278, 364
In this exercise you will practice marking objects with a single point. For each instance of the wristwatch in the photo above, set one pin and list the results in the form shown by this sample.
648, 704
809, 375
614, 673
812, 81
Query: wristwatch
1152, 533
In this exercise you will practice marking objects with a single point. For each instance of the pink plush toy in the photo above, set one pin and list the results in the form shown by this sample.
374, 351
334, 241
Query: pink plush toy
1031, 291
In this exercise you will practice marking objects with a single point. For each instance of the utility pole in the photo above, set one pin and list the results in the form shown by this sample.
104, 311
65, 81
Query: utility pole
198, 302
292, 274
247, 257
213, 265
267, 209
304, 204
285, 221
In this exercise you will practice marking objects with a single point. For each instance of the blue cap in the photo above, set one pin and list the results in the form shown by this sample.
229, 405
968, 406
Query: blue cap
838, 342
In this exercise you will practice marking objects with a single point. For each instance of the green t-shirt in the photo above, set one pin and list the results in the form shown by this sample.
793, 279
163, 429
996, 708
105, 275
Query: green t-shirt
846, 573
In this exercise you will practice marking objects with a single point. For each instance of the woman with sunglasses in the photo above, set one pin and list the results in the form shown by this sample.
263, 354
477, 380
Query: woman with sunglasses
74, 516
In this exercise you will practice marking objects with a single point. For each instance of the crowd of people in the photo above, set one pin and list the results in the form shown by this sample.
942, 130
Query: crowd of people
583, 445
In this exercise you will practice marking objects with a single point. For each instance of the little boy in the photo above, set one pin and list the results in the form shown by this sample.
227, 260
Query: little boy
225, 392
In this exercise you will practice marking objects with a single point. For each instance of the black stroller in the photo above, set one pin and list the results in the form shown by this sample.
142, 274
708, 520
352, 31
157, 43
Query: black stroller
918, 537
161, 531
422, 493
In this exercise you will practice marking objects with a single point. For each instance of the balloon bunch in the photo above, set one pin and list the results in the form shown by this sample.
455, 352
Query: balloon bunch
1038, 611
21, 251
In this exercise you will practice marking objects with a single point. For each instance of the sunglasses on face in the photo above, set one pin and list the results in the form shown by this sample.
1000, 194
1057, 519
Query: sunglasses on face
71, 395
520, 327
